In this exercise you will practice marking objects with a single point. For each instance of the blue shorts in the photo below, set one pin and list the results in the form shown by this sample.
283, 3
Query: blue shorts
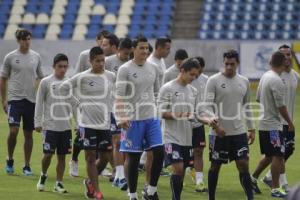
17, 109
114, 129
142, 135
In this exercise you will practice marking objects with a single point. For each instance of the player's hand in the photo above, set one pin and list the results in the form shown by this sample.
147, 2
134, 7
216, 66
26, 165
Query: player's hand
213, 122
38, 129
4, 106
220, 131
125, 124
251, 136
291, 127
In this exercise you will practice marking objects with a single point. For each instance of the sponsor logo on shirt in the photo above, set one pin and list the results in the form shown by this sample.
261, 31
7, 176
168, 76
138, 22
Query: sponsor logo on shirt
91, 83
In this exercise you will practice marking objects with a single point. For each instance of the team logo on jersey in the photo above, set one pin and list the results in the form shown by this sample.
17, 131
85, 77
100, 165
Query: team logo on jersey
92, 83
223, 85
53, 87
134, 75
18, 61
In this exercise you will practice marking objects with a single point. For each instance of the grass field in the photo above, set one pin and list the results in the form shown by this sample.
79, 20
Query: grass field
17, 186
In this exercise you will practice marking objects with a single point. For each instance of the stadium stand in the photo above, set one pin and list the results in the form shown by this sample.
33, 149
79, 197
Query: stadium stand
251, 19
79, 20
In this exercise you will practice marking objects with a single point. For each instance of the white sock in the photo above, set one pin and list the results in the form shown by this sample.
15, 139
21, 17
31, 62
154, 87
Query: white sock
269, 175
120, 168
143, 158
42, 174
117, 175
283, 179
133, 195
151, 190
199, 177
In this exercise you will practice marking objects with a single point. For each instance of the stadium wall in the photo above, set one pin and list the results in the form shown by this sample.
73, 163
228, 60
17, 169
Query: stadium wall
254, 55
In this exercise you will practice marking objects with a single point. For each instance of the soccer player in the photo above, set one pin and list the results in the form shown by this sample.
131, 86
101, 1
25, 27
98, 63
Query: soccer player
83, 63
227, 95
20, 69
271, 94
161, 50
290, 79
199, 142
177, 101
110, 44
137, 82
52, 116
173, 71
95, 86
112, 63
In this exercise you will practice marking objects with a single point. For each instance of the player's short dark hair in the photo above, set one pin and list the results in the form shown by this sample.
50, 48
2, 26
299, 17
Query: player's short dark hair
138, 39
189, 64
277, 59
59, 57
113, 39
284, 46
22, 34
161, 42
201, 61
125, 43
150, 48
181, 54
231, 53
95, 51
102, 34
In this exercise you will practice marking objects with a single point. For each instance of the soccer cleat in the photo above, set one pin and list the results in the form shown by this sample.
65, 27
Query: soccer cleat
73, 168
285, 188
98, 196
133, 199
200, 187
40, 186
9, 166
115, 183
59, 187
150, 197
89, 190
122, 184
267, 181
27, 171
255, 187
278, 193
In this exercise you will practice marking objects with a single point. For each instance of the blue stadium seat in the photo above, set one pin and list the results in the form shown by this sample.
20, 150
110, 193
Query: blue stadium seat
96, 19
70, 18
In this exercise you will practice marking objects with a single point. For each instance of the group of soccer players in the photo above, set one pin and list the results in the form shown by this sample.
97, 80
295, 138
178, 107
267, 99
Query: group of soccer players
126, 102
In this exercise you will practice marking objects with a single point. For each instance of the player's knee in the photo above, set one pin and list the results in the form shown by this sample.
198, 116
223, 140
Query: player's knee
13, 132
90, 158
48, 156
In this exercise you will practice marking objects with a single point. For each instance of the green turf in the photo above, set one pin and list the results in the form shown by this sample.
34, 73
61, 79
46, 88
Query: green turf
17, 186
